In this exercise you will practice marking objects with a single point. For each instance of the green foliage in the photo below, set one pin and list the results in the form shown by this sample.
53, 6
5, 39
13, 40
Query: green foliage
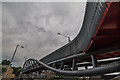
17, 70
76, 78
6, 62
4, 69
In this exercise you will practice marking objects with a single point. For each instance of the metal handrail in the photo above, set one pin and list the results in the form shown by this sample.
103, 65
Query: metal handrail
109, 68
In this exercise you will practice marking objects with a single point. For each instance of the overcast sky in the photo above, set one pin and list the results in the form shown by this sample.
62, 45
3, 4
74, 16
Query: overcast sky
35, 25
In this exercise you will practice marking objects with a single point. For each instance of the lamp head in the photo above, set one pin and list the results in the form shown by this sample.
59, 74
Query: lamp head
59, 33
22, 47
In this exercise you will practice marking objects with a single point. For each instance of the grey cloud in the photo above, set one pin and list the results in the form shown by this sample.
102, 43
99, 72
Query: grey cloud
35, 26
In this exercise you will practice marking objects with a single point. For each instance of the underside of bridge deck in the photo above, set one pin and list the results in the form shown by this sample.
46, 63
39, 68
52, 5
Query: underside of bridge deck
109, 33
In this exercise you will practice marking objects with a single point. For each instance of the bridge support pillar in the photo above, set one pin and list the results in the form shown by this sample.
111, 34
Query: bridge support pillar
94, 60
86, 67
62, 65
33, 75
74, 67
54, 65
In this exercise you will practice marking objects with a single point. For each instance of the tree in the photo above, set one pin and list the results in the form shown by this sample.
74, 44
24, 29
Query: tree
4, 69
17, 70
6, 62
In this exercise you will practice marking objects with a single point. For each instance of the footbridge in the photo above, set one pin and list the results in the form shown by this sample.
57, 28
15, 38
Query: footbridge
97, 45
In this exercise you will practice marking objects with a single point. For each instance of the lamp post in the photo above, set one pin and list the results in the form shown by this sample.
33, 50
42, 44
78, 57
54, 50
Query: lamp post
65, 36
12, 58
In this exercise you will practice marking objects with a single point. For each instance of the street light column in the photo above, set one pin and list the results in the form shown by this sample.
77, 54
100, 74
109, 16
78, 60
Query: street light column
14, 53
65, 36
12, 59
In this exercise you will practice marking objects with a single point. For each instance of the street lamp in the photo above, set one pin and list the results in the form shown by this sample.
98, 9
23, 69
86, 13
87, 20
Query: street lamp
65, 36
12, 58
